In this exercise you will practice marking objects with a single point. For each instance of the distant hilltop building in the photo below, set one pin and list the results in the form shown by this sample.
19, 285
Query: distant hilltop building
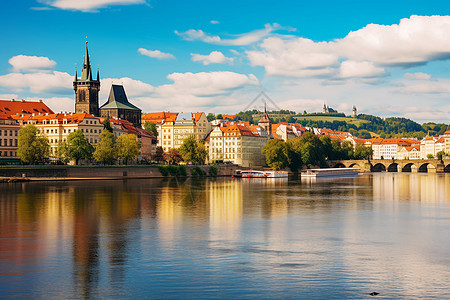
86, 89
327, 109
354, 112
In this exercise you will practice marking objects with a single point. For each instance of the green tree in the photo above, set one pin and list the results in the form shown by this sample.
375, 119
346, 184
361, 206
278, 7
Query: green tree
219, 116
193, 151
311, 149
440, 154
127, 147
173, 157
363, 152
276, 152
210, 117
76, 147
150, 127
107, 124
106, 151
32, 148
294, 152
430, 156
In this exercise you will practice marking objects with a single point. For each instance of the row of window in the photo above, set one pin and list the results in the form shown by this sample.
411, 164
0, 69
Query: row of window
12, 143
7, 153
11, 132
51, 131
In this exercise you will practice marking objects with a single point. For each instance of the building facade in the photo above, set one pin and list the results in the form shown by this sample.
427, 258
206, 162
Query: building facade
237, 144
9, 126
173, 128
57, 127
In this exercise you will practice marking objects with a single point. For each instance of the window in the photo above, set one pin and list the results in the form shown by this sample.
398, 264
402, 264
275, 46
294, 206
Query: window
10, 142
48, 131
10, 133
16, 133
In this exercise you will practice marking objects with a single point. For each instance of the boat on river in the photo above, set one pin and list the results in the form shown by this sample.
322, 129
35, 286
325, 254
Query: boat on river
260, 174
330, 172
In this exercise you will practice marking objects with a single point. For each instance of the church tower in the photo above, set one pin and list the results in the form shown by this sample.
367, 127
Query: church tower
266, 123
86, 89
354, 112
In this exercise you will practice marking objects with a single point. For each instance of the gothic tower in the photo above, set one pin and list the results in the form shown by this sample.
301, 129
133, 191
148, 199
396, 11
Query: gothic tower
354, 112
266, 123
86, 89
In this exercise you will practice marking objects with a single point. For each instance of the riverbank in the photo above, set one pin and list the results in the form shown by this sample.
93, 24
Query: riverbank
64, 173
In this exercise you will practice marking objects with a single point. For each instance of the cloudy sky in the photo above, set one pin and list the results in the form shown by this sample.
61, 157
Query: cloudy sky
389, 58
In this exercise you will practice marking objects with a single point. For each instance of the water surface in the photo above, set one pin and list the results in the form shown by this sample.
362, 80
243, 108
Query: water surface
227, 238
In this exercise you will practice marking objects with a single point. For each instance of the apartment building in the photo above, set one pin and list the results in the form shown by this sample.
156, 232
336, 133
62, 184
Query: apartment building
9, 126
56, 127
238, 144
146, 140
173, 128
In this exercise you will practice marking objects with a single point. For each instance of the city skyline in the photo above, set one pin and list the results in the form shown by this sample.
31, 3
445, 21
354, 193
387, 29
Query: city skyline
387, 59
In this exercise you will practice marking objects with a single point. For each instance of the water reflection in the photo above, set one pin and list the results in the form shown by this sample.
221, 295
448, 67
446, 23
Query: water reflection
232, 238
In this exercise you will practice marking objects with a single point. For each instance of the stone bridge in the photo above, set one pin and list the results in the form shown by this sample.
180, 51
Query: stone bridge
394, 165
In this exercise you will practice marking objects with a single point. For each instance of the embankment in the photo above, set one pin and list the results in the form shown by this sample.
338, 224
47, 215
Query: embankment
97, 172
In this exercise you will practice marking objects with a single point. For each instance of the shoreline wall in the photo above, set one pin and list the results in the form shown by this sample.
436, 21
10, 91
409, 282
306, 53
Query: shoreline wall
96, 172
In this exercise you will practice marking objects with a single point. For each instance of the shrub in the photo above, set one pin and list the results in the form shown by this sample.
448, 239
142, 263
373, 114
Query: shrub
182, 170
163, 170
213, 171
196, 171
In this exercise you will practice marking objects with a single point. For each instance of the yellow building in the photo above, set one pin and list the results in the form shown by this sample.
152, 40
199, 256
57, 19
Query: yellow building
173, 128
238, 144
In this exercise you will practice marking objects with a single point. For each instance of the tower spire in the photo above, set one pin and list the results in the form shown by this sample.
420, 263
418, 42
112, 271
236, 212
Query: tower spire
86, 71
76, 76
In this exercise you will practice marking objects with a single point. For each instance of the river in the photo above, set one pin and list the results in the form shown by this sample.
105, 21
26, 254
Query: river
227, 238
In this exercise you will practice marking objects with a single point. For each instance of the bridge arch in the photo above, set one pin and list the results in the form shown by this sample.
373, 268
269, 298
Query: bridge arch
447, 169
393, 167
427, 167
408, 168
379, 167
339, 165
354, 165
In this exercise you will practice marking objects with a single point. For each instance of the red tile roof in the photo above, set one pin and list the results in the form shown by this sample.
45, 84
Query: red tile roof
12, 107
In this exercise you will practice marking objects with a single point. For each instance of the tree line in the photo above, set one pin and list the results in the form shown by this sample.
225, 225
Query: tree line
310, 150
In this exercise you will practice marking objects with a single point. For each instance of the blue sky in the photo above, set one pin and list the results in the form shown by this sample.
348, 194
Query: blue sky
388, 59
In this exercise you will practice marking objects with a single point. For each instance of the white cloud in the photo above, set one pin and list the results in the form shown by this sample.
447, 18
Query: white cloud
414, 41
24, 63
8, 96
350, 68
88, 5
215, 57
155, 54
214, 22
238, 40
417, 75
37, 82
133, 88
297, 58
426, 87
57, 104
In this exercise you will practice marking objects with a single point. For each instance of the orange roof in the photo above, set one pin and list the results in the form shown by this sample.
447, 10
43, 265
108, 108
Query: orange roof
70, 118
410, 148
9, 108
234, 128
160, 117
196, 116
230, 117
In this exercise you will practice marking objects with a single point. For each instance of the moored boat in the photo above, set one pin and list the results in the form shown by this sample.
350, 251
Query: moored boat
330, 172
260, 174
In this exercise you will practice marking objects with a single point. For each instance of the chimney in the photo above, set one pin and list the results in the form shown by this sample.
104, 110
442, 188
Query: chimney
40, 100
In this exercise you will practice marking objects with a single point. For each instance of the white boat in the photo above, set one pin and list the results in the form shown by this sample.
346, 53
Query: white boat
260, 174
330, 172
